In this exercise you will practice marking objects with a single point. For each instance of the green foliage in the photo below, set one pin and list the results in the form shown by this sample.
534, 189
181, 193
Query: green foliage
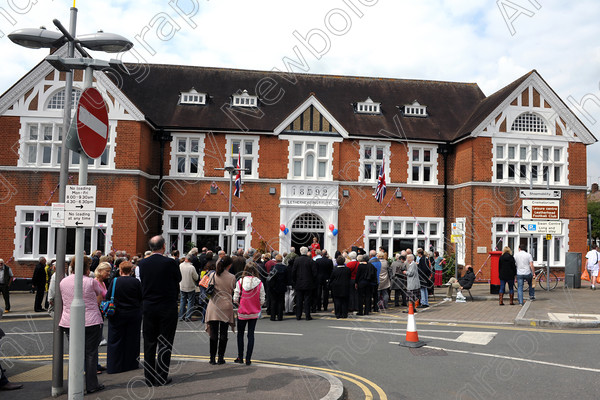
188, 246
449, 266
593, 208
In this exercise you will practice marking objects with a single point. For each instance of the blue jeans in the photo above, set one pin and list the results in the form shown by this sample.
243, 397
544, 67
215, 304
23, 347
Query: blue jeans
186, 301
520, 279
424, 296
511, 286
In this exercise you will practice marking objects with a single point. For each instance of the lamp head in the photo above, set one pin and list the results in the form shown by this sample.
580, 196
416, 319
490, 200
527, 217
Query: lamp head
34, 38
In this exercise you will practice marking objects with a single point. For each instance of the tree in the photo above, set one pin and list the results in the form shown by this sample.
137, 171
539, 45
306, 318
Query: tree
593, 208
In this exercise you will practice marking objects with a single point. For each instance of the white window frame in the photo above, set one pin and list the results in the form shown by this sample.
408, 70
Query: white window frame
244, 100
302, 158
526, 161
368, 107
232, 157
373, 160
60, 104
186, 155
541, 129
419, 230
535, 243
421, 164
105, 161
415, 110
24, 229
192, 97
191, 228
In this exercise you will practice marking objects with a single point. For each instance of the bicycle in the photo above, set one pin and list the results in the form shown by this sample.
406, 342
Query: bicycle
542, 279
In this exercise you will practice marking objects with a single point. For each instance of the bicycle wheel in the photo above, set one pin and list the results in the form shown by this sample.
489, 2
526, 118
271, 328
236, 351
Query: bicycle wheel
544, 280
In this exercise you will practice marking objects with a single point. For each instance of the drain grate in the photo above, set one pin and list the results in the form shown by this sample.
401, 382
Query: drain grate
425, 351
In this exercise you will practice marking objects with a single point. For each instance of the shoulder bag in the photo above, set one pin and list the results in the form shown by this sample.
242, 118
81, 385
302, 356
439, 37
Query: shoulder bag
107, 307
210, 289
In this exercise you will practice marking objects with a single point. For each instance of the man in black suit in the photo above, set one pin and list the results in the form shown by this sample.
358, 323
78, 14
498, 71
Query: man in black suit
304, 280
324, 270
160, 278
39, 283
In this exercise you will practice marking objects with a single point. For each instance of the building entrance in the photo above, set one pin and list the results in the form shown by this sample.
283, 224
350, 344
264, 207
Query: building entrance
304, 228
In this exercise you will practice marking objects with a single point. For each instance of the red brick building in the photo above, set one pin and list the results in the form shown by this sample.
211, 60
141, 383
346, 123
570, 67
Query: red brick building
313, 145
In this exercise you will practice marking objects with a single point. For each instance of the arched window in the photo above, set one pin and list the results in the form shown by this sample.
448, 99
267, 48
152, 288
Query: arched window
308, 222
57, 102
529, 123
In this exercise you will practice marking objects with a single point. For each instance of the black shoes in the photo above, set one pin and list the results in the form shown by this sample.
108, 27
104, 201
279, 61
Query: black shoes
239, 360
96, 389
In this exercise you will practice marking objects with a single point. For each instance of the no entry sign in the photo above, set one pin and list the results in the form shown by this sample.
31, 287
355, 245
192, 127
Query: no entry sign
92, 122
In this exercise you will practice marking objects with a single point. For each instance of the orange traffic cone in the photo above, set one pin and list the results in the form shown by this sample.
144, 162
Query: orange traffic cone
412, 337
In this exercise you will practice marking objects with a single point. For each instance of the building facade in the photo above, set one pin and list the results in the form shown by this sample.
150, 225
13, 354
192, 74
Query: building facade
313, 147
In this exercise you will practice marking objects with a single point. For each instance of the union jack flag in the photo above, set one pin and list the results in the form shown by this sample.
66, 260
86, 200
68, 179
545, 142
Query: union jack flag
237, 192
380, 191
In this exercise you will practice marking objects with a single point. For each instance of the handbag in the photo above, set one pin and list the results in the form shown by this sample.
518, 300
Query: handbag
107, 307
204, 281
585, 276
210, 289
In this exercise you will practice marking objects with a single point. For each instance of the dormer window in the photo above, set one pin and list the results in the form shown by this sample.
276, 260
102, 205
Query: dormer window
415, 110
192, 97
368, 107
244, 100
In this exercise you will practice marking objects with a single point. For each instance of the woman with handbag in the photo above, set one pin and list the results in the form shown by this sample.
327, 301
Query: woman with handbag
249, 294
123, 348
219, 313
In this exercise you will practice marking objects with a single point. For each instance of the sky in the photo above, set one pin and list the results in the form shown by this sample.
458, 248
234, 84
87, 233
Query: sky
491, 43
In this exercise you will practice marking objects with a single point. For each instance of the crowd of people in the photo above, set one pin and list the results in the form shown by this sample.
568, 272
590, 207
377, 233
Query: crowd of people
151, 292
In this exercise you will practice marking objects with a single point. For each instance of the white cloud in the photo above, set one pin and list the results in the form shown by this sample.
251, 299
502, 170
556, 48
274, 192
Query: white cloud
457, 40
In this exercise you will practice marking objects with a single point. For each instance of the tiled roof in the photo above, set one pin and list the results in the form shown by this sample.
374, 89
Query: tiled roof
449, 104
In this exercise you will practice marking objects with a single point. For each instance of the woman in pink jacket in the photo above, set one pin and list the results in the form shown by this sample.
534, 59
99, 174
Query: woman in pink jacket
249, 294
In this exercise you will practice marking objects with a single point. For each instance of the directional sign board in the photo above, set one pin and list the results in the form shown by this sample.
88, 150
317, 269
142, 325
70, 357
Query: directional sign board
539, 194
80, 206
540, 227
540, 209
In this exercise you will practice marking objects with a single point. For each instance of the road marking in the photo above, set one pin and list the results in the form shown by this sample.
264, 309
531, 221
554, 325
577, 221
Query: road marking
551, 364
471, 337
567, 317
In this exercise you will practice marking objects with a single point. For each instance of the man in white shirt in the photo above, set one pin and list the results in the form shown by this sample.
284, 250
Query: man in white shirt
592, 257
525, 271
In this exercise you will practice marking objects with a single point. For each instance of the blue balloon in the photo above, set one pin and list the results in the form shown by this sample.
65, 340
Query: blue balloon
286, 231
335, 232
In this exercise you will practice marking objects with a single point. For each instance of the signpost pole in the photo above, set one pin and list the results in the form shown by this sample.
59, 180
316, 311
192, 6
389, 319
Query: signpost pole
547, 265
77, 326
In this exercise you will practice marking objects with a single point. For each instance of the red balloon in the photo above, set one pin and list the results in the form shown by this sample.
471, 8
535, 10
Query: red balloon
282, 227
331, 227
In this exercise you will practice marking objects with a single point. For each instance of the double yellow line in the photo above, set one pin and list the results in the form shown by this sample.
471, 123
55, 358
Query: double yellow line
368, 387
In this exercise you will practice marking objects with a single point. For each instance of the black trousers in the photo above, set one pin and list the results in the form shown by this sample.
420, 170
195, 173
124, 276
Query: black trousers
322, 296
277, 301
364, 300
123, 347
39, 297
6, 294
375, 298
303, 302
93, 334
159, 327
340, 305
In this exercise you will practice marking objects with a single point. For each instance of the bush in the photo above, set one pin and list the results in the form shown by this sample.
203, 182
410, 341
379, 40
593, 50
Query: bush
449, 267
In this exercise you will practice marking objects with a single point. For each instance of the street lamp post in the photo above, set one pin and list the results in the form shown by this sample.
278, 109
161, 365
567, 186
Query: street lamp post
229, 229
110, 43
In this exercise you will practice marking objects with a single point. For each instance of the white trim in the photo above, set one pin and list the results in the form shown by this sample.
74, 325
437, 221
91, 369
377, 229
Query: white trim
432, 163
187, 154
255, 155
558, 108
415, 222
18, 241
312, 101
387, 155
316, 141
193, 229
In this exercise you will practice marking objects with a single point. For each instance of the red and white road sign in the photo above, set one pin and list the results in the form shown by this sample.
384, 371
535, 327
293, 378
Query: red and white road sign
92, 122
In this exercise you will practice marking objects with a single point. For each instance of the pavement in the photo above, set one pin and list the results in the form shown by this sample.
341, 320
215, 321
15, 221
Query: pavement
562, 308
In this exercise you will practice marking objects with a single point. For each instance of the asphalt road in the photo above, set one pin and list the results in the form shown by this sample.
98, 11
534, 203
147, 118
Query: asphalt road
460, 361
